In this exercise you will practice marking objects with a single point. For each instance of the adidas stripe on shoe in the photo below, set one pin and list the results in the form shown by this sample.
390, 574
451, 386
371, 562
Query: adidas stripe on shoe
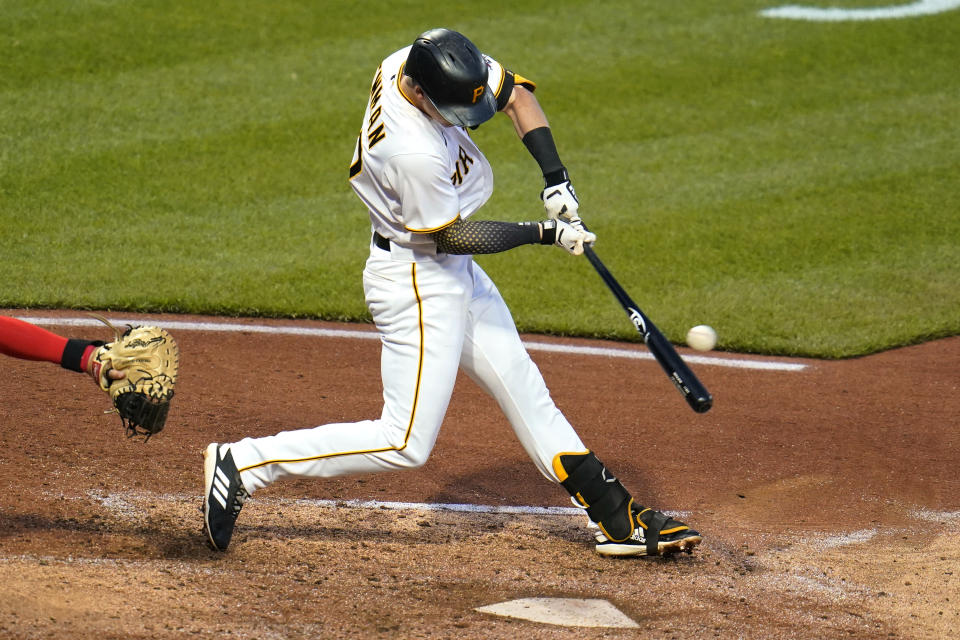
223, 496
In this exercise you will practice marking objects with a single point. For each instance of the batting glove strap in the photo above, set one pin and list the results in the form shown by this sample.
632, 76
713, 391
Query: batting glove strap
549, 232
564, 234
556, 177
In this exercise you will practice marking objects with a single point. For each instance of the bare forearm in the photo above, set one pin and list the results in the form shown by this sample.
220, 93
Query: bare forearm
525, 112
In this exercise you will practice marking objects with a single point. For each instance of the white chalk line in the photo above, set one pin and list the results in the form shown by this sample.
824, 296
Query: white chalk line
930, 515
854, 537
122, 501
232, 327
840, 14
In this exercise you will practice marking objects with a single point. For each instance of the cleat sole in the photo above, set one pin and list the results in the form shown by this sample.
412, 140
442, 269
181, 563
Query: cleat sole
684, 545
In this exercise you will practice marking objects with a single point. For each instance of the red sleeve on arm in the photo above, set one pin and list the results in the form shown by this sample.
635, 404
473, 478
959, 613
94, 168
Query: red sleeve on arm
29, 342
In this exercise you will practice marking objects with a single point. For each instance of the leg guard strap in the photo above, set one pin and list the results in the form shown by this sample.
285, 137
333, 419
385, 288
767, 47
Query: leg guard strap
652, 534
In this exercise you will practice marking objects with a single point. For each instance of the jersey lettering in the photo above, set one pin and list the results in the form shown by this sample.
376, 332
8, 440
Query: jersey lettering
375, 128
375, 132
462, 168
375, 136
357, 165
376, 89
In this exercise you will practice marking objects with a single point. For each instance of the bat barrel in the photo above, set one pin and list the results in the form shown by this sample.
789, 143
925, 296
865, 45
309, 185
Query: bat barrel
677, 370
670, 361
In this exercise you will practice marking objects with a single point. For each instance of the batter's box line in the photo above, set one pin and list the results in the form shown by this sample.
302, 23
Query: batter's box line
232, 327
124, 499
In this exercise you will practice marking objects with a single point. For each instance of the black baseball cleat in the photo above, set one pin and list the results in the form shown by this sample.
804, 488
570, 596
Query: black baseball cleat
223, 497
654, 534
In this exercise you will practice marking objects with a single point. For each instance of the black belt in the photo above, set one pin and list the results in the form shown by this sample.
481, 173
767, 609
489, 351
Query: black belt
384, 243
381, 242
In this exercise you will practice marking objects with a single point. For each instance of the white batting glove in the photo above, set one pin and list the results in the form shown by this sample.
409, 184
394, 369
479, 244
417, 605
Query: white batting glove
564, 234
575, 222
560, 201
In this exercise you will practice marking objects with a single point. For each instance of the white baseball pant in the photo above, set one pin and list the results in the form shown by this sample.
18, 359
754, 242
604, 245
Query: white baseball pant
434, 314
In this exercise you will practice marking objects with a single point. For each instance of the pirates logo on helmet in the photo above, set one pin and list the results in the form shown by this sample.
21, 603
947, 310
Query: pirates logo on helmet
453, 75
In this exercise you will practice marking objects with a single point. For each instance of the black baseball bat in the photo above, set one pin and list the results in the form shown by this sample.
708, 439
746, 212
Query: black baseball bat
676, 369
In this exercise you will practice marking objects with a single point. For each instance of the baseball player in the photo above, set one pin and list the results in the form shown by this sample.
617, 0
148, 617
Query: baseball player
29, 342
421, 177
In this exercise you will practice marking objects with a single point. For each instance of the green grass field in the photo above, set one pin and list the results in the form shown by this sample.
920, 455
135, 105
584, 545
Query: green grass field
794, 184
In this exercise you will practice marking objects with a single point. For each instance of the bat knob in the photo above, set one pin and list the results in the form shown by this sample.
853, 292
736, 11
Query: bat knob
700, 405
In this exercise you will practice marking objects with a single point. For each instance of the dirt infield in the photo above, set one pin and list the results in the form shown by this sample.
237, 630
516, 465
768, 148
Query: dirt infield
827, 497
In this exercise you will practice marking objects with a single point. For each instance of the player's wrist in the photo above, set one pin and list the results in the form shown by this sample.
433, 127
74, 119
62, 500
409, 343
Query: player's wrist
548, 232
76, 354
533, 231
556, 177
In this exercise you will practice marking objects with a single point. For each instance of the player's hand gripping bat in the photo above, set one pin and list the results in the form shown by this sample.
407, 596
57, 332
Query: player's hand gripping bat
676, 369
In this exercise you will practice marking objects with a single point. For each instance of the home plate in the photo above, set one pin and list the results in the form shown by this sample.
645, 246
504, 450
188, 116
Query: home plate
568, 612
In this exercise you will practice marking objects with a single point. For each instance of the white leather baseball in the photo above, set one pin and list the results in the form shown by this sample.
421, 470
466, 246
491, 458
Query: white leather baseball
702, 337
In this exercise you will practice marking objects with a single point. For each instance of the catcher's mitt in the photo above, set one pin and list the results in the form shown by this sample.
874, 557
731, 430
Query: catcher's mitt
150, 358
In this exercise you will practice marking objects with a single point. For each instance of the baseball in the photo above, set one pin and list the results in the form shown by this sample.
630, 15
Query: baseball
702, 337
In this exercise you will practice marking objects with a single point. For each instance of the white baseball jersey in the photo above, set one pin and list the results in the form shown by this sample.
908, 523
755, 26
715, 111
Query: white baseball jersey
414, 174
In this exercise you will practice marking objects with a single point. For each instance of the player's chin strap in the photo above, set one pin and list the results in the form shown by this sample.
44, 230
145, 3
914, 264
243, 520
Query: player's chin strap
606, 500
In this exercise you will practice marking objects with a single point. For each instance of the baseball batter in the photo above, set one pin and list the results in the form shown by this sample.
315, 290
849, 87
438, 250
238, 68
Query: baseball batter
421, 177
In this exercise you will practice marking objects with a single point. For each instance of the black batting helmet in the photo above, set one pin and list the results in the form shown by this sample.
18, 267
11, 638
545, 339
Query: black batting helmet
452, 73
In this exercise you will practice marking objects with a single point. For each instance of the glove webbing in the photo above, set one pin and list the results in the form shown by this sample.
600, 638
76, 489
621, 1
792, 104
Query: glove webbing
139, 416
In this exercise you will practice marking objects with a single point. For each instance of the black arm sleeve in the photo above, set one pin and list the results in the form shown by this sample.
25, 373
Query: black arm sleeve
474, 237
540, 144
